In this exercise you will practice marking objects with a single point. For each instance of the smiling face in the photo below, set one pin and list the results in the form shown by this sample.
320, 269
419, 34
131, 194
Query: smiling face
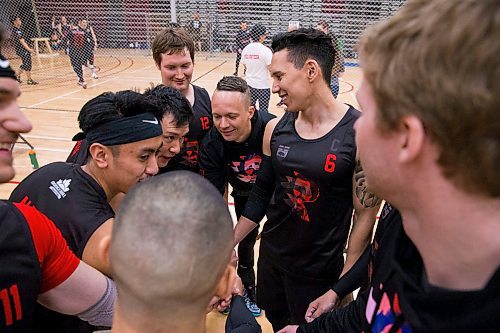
12, 122
232, 115
176, 70
172, 138
290, 83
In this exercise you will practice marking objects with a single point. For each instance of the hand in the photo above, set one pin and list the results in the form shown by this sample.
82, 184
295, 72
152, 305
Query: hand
325, 303
238, 288
219, 304
289, 329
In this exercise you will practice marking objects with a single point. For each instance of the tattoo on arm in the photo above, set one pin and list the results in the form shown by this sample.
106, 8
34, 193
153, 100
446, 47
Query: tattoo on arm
366, 198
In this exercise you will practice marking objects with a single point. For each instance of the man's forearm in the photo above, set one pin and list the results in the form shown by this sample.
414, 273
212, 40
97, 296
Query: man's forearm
242, 229
359, 238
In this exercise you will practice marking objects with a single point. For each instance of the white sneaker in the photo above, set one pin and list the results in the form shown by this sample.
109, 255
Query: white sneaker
83, 84
94, 76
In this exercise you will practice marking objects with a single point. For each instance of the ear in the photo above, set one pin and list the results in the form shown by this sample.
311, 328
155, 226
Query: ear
251, 111
104, 245
412, 137
312, 69
100, 154
226, 282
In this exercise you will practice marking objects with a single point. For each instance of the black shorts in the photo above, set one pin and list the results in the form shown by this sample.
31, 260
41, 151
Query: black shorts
26, 59
281, 292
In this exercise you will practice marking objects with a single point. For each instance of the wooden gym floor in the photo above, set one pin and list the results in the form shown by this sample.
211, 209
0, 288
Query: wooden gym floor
53, 105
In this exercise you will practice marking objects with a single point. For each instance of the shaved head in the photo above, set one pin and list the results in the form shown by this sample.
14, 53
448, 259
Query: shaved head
171, 243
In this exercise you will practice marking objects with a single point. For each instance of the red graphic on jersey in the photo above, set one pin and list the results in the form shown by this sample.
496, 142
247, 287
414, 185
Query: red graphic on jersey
76, 148
246, 169
190, 153
301, 191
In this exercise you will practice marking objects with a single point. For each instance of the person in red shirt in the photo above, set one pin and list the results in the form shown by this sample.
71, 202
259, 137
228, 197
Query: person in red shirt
37, 264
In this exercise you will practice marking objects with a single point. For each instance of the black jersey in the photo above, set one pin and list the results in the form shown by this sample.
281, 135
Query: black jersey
68, 196
78, 206
236, 162
16, 35
76, 38
34, 258
310, 211
199, 126
400, 298
88, 38
20, 275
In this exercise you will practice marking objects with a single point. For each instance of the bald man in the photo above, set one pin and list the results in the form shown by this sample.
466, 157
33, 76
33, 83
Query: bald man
170, 254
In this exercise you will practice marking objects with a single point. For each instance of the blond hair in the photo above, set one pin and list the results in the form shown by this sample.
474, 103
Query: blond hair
439, 60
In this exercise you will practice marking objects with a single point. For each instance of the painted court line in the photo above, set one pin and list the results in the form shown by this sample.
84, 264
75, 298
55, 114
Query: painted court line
42, 137
68, 94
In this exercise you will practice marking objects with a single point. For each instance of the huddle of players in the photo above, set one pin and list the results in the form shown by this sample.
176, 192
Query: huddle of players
309, 182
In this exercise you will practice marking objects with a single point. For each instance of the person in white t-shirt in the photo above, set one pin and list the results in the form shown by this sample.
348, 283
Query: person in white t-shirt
256, 57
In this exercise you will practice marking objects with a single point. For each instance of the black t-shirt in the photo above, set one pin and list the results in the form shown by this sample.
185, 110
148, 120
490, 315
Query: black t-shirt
310, 211
400, 299
242, 39
199, 126
77, 205
17, 35
68, 196
236, 162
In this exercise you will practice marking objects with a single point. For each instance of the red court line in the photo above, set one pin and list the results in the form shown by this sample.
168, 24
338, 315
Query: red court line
350, 89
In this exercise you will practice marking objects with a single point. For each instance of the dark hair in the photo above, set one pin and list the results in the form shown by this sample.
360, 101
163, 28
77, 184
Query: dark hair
170, 41
171, 101
307, 43
234, 83
257, 31
110, 106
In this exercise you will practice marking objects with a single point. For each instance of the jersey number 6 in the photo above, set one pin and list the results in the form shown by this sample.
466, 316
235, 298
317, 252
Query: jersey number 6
330, 162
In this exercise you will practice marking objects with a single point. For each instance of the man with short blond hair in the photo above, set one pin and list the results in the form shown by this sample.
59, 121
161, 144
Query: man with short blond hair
435, 158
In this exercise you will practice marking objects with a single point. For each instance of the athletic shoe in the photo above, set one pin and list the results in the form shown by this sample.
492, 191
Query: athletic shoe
83, 84
94, 76
254, 309
18, 78
31, 82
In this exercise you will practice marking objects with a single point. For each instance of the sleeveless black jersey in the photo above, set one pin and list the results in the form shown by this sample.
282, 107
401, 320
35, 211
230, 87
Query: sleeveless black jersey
76, 39
20, 275
78, 206
199, 126
310, 211
88, 39
236, 162
16, 35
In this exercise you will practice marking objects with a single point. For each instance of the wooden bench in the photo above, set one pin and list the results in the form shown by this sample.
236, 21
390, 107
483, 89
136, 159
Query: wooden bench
41, 40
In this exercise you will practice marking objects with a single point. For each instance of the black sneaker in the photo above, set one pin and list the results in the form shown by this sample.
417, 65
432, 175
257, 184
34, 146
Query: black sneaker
31, 82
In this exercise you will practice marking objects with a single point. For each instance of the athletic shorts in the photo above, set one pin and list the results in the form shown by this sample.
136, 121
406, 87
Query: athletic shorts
26, 59
280, 292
